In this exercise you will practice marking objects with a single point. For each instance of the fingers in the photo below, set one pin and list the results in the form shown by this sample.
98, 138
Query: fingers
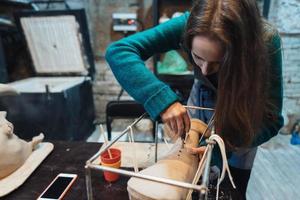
168, 131
173, 125
176, 117
187, 122
198, 150
180, 125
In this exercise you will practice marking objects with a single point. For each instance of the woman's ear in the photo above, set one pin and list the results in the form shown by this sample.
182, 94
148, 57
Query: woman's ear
5, 126
2, 117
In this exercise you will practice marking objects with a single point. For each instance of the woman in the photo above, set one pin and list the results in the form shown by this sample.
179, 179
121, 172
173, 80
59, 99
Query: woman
237, 65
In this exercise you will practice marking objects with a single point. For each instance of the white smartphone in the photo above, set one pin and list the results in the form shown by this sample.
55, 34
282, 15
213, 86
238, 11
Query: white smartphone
58, 187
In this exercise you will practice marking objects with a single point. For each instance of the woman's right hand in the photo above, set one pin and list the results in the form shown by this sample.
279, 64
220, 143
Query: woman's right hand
177, 118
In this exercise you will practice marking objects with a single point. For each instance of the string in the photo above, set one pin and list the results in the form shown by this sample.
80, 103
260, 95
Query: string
198, 174
225, 167
219, 141
201, 165
218, 187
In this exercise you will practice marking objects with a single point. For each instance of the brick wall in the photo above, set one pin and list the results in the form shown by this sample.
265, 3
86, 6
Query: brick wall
99, 13
105, 89
285, 14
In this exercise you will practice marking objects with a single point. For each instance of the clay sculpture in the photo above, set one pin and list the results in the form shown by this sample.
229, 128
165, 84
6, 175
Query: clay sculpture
13, 150
178, 165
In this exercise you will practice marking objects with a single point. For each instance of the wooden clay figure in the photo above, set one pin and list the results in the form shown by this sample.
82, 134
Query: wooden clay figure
178, 165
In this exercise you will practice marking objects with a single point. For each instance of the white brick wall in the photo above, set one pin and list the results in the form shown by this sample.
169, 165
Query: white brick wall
105, 89
285, 15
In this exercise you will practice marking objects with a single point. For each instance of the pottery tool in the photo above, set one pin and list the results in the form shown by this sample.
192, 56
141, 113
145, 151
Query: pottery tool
105, 140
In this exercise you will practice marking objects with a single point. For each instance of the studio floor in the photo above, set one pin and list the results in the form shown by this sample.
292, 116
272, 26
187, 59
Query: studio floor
275, 174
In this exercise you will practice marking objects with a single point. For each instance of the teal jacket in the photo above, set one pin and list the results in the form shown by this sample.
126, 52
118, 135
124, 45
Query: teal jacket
126, 58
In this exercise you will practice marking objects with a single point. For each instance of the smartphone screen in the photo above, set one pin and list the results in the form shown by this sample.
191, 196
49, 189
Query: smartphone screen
57, 187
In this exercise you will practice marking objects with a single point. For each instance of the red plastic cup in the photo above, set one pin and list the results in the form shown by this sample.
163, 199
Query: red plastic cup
114, 161
116, 156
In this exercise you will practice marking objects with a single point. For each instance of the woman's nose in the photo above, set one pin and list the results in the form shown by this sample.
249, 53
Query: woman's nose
204, 68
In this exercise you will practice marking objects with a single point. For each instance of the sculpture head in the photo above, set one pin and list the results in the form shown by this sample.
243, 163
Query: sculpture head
13, 150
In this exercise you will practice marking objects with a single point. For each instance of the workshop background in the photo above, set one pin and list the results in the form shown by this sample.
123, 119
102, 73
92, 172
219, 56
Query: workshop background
284, 14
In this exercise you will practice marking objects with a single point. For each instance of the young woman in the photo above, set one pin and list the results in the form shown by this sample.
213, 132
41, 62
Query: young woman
237, 64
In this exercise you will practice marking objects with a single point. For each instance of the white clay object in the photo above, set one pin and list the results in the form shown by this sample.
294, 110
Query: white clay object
6, 90
177, 165
13, 150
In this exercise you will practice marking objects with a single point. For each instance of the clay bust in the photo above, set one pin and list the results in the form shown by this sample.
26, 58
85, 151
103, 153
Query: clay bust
179, 165
13, 150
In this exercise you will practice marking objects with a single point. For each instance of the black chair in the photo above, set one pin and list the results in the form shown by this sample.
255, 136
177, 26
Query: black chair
180, 84
124, 109
129, 109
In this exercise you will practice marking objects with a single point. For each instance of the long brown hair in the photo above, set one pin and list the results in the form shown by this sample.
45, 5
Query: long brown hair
243, 75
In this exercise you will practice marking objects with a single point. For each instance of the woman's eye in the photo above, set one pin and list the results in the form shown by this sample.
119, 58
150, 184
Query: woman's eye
198, 58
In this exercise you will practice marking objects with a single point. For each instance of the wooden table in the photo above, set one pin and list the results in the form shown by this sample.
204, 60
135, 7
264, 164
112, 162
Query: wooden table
70, 157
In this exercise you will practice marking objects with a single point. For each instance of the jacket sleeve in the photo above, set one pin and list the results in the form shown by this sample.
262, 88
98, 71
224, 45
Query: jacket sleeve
272, 124
126, 58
